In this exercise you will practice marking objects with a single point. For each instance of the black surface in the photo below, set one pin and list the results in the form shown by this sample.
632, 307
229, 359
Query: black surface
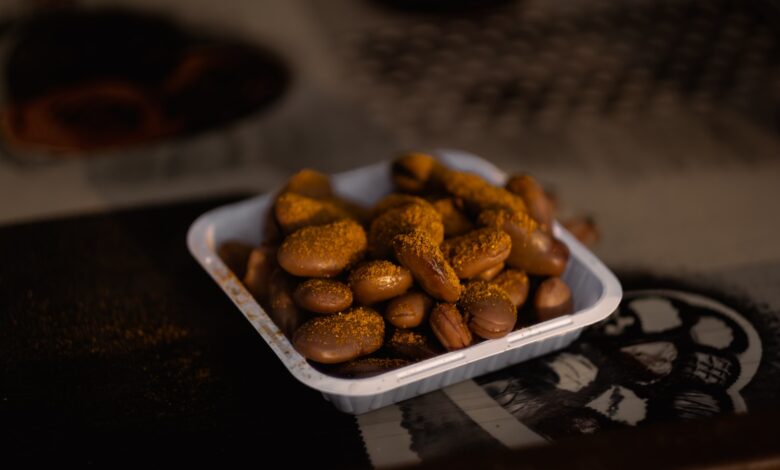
116, 347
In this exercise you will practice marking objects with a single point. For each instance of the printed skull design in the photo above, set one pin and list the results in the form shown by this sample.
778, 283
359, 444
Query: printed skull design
663, 355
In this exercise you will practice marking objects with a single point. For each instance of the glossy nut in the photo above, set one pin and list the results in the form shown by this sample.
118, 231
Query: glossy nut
403, 219
455, 223
323, 296
478, 195
490, 273
533, 250
235, 255
375, 281
540, 207
323, 250
487, 310
410, 172
449, 328
396, 200
364, 367
421, 255
408, 310
310, 183
411, 344
342, 337
476, 251
584, 229
294, 211
261, 264
281, 307
515, 283
552, 299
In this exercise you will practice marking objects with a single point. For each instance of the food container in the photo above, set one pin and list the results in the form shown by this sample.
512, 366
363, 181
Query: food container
595, 290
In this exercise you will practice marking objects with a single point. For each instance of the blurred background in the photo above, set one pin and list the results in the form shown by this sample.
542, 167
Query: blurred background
659, 119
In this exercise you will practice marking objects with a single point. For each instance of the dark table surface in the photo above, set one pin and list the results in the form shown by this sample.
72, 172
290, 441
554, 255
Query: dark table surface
117, 347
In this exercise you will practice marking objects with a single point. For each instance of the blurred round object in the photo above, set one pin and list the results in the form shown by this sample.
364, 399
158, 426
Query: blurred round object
97, 114
80, 80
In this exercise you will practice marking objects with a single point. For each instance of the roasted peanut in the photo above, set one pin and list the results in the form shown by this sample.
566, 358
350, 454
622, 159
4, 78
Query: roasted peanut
552, 299
487, 310
448, 326
408, 310
584, 229
540, 207
364, 367
455, 223
410, 172
341, 337
261, 264
478, 195
421, 255
375, 281
533, 251
396, 200
476, 251
403, 219
294, 211
309, 183
281, 307
323, 296
515, 284
411, 344
490, 273
322, 250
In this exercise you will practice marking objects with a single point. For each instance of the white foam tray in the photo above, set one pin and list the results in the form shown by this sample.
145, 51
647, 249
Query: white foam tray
595, 289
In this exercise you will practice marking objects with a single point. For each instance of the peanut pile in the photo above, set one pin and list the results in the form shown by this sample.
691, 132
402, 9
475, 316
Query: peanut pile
443, 262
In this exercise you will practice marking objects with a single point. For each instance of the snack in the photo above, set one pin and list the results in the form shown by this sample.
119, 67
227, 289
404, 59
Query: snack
445, 261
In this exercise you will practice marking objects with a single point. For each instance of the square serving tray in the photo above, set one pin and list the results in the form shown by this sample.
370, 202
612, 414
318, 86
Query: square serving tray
595, 289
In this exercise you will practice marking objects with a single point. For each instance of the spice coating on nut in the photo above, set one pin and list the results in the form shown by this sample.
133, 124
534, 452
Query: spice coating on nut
375, 281
322, 250
341, 337
421, 255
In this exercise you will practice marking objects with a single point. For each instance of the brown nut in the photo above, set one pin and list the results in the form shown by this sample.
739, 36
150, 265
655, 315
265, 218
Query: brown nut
330, 339
396, 200
261, 264
552, 299
235, 255
540, 207
448, 326
403, 219
408, 310
487, 310
411, 344
410, 172
515, 284
584, 229
323, 296
375, 281
421, 255
476, 251
294, 211
490, 273
281, 308
364, 367
455, 223
533, 251
309, 183
478, 195
322, 250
